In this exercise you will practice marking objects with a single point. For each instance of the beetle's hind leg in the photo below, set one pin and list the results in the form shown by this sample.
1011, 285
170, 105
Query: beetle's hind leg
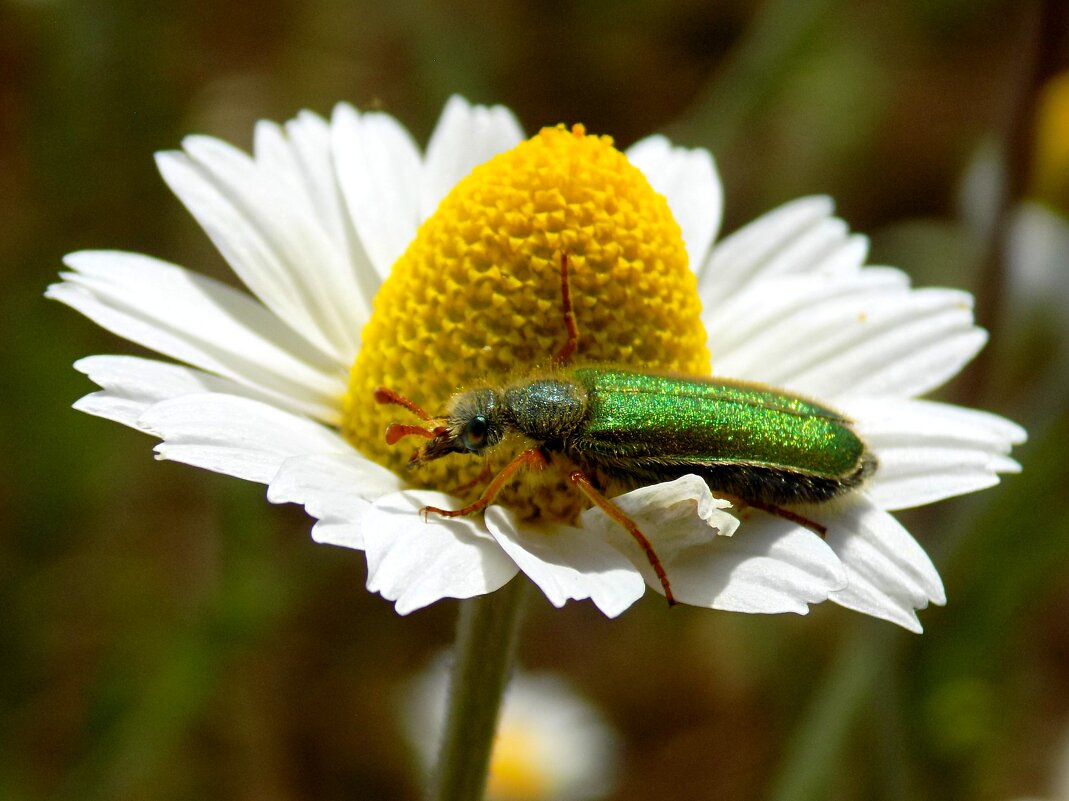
778, 511
586, 486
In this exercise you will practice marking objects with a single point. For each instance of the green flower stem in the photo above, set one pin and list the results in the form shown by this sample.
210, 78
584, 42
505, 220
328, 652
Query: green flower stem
814, 753
486, 641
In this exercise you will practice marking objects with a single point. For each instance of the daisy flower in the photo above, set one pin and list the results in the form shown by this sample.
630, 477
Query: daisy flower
551, 743
370, 264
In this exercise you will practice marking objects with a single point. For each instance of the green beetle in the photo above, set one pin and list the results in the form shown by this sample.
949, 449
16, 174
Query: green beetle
755, 445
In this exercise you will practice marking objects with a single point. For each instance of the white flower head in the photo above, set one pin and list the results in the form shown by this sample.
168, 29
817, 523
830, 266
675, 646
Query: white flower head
457, 251
551, 743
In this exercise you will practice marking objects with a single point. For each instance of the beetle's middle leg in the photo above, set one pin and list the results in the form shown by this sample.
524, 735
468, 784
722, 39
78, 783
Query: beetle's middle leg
584, 484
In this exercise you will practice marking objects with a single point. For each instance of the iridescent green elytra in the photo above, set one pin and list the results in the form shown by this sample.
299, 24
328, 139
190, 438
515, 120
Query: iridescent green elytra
757, 445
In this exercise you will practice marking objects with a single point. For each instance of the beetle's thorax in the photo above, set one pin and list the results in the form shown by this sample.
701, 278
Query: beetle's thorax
547, 409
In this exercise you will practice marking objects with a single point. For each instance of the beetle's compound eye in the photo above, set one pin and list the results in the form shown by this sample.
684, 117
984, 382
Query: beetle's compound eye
474, 434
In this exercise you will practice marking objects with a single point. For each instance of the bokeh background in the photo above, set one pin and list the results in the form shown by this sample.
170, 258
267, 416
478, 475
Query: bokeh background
166, 634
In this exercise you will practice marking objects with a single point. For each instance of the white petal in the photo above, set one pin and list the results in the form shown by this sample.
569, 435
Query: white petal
768, 569
302, 157
236, 436
131, 384
465, 137
752, 333
298, 157
272, 240
860, 334
335, 488
889, 573
379, 170
568, 563
690, 183
800, 237
930, 451
200, 321
416, 563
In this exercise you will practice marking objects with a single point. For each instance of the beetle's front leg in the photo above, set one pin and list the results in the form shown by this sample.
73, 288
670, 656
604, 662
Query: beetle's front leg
532, 457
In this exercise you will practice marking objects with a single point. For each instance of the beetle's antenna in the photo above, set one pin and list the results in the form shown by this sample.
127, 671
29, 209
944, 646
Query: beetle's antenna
570, 325
387, 395
397, 431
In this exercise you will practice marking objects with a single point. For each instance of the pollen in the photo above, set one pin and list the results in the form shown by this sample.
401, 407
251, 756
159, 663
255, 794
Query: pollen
475, 300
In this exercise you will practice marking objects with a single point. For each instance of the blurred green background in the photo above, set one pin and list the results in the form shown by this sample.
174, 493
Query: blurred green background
166, 634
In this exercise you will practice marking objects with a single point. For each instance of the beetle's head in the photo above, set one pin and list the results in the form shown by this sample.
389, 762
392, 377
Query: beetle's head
475, 421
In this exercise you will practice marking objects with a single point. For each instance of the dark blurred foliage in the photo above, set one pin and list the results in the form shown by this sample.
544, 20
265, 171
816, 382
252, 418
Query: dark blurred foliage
166, 634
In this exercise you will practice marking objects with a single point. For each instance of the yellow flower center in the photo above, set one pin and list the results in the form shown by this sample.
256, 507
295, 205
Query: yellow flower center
516, 771
476, 299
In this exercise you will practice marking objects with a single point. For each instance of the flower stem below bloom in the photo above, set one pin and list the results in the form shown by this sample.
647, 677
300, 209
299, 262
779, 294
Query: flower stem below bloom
486, 641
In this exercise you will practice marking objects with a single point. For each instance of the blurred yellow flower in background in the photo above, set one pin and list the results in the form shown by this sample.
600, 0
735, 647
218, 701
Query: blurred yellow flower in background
552, 744
1050, 170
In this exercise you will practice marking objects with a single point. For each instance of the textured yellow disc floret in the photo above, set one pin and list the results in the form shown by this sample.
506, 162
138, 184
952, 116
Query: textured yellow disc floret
476, 298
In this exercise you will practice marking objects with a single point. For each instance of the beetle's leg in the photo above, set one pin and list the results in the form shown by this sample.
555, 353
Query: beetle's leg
532, 457
484, 474
580, 480
817, 528
570, 325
